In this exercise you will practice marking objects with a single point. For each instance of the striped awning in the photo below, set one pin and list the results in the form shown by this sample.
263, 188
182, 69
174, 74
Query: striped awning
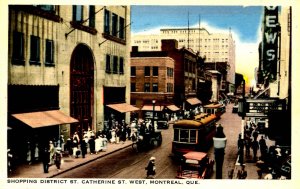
193, 101
122, 107
150, 108
173, 108
44, 118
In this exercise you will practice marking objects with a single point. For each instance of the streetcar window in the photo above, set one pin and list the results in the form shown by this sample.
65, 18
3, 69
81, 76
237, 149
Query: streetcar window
192, 136
184, 135
176, 134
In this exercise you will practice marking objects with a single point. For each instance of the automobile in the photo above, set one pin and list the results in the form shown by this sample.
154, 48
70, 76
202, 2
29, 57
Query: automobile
162, 124
235, 109
195, 165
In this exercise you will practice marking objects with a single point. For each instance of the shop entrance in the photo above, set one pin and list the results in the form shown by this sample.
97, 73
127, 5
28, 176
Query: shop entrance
82, 88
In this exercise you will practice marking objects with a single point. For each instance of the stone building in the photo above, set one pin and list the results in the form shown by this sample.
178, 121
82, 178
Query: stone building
70, 59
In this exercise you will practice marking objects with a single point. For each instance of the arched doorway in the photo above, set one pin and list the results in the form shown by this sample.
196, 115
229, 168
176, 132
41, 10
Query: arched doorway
82, 88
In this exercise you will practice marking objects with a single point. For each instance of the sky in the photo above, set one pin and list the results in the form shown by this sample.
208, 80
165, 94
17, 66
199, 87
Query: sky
244, 22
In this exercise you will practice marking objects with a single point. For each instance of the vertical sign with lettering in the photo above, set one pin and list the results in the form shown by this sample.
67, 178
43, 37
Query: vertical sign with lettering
271, 30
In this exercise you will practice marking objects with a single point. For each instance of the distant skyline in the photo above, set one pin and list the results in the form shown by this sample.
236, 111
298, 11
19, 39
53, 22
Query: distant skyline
244, 22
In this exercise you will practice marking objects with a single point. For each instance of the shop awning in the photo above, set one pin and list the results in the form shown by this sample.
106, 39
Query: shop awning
193, 101
44, 118
150, 108
122, 107
173, 108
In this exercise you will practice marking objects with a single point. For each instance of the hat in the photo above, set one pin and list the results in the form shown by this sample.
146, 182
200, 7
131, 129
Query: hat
58, 149
152, 158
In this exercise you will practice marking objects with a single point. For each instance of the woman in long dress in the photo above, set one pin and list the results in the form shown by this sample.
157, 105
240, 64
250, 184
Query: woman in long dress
113, 135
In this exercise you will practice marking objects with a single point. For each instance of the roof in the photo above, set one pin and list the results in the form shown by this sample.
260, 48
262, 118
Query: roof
187, 123
195, 155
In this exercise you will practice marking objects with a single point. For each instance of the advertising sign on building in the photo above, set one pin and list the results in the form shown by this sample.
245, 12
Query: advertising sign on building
269, 48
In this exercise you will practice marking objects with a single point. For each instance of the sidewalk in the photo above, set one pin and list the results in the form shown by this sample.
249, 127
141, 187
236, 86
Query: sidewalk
250, 166
36, 170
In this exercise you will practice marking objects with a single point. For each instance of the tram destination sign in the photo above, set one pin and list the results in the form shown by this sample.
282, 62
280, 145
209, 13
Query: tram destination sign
261, 107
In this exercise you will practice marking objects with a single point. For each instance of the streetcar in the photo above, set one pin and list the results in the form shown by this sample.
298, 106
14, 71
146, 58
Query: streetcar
217, 109
193, 135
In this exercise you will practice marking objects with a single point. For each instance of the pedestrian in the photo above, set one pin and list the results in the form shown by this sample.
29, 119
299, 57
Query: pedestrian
69, 146
36, 152
75, 150
92, 143
255, 134
248, 145
113, 135
52, 151
150, 168
83, 146
241, 149
9, 161
46, 159
28, 153
57, 158
242, 173
255, 147
123, 134
263, 148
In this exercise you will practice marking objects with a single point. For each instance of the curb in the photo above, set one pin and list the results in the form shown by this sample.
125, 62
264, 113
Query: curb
86, 162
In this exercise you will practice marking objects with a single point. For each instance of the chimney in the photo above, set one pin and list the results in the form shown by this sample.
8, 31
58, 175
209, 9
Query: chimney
169, 44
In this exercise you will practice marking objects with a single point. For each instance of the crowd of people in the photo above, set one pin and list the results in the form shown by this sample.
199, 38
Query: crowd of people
271, 157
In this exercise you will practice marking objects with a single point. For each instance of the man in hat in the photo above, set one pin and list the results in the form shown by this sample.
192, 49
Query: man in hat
151, 167
57, 158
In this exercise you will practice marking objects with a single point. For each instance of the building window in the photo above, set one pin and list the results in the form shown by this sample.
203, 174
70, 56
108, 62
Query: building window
77, 13
49, 52
107, 68
169, 87
147, 71
155, 70
34, 50
133, 87
92, 16
18, 48
121, 28
49, 8
106, 21
114, 29
115, 65
121, 65
132, 71
147, 87
154, 87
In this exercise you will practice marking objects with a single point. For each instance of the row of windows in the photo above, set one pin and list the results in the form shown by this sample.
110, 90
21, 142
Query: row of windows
154, 87
147, 70
185, 135
117, 64
18, 57
113, 24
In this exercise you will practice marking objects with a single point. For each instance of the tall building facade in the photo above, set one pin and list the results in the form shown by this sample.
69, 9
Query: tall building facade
274, 71
216, 47
67, 58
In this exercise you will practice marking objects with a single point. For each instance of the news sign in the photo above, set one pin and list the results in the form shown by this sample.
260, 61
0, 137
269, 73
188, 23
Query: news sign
261, 107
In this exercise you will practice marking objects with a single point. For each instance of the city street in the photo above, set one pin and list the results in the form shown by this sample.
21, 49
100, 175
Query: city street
129, 164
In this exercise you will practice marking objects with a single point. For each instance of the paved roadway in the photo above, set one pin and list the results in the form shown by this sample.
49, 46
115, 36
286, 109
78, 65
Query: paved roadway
129, 164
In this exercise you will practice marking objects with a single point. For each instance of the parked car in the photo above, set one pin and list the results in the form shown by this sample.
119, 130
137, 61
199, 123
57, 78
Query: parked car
195, 165
235, 109
162, 124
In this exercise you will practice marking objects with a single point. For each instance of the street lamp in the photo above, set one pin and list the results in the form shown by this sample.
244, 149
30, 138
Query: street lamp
153, 103
219, 147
